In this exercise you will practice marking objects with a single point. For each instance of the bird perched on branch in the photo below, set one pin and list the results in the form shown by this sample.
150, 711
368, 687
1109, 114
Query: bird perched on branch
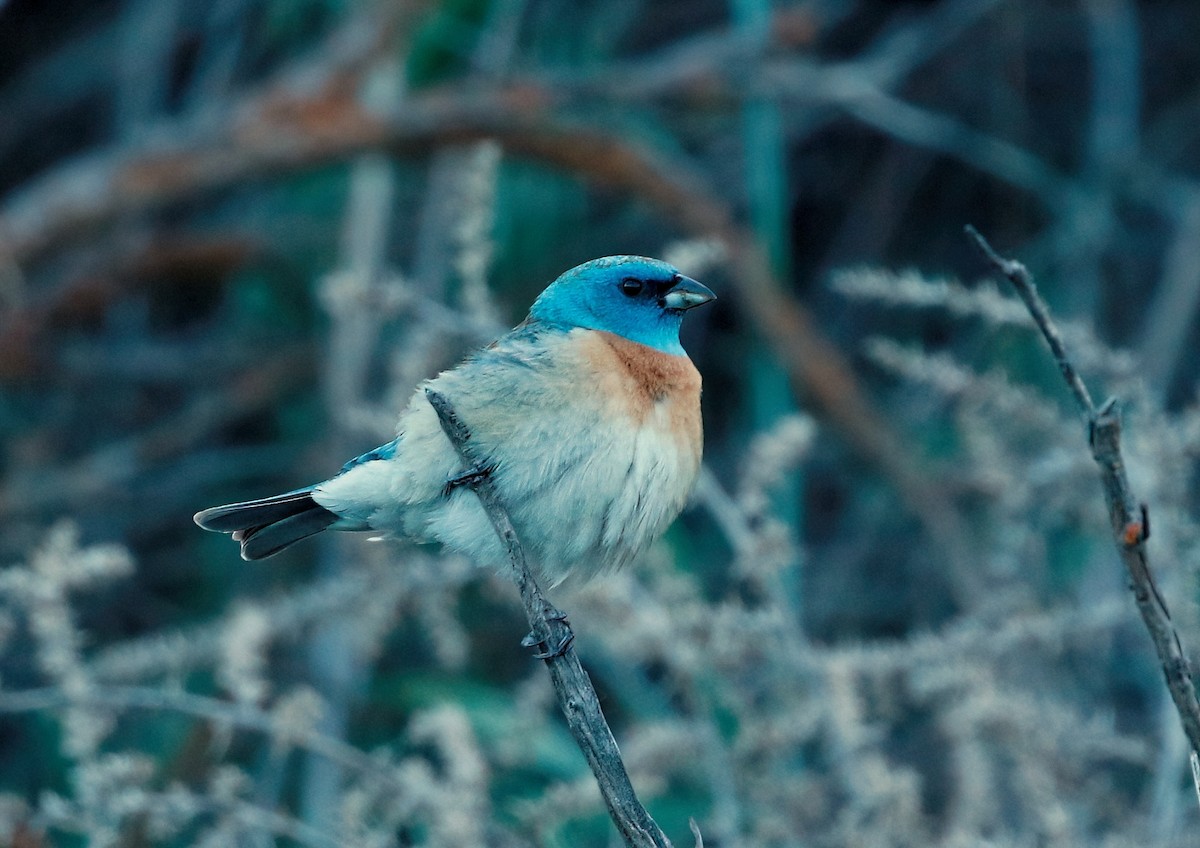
588, 415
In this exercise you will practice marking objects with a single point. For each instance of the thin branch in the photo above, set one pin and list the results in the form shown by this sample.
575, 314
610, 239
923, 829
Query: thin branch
1130, 520
1022, 281
552, 633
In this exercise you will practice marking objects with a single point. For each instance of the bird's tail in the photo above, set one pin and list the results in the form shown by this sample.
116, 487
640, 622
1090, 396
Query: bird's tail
267, 526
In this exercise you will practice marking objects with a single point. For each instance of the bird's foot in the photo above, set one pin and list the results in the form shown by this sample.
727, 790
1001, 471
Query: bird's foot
470, 478
564, 643
546, 652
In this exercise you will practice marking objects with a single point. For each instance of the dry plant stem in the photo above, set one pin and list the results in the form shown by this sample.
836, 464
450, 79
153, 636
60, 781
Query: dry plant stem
550, 630
1019, 276
1130, 521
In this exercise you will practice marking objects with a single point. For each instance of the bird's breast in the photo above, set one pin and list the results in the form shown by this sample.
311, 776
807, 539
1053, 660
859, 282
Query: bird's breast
653, 390
596, 442
646, 444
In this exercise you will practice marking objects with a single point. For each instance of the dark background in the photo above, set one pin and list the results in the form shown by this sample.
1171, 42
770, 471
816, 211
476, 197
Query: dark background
235, 235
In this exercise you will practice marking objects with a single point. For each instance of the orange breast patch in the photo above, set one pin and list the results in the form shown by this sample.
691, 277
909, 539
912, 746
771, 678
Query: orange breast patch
655, 388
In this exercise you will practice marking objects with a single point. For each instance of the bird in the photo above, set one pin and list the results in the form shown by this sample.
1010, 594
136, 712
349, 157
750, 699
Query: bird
586, 415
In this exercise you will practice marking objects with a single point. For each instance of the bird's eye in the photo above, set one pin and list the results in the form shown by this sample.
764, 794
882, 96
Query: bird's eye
631, 286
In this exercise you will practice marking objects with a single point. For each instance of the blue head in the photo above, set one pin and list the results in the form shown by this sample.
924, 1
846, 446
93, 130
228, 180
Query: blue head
640, 299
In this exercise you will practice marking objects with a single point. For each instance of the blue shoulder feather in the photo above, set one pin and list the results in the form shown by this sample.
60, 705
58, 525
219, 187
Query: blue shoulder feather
382, 452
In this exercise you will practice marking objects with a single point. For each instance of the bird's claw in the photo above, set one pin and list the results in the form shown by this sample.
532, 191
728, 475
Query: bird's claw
545, 652
469, 478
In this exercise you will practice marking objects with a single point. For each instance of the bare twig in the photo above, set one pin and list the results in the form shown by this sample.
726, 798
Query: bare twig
550, 631
1130, 520
1019, 276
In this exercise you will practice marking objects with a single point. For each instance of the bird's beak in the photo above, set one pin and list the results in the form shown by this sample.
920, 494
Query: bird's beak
687, 293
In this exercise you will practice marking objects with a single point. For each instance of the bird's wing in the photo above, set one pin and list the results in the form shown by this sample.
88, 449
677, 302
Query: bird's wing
501, 393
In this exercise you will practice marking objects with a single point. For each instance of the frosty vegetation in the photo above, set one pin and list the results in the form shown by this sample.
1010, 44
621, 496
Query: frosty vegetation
986, 731
892, 615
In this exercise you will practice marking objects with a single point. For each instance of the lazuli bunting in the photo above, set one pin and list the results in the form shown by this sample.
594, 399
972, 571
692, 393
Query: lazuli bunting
588, 413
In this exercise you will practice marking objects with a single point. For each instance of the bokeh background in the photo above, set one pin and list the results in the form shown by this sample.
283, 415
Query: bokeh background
235, 235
